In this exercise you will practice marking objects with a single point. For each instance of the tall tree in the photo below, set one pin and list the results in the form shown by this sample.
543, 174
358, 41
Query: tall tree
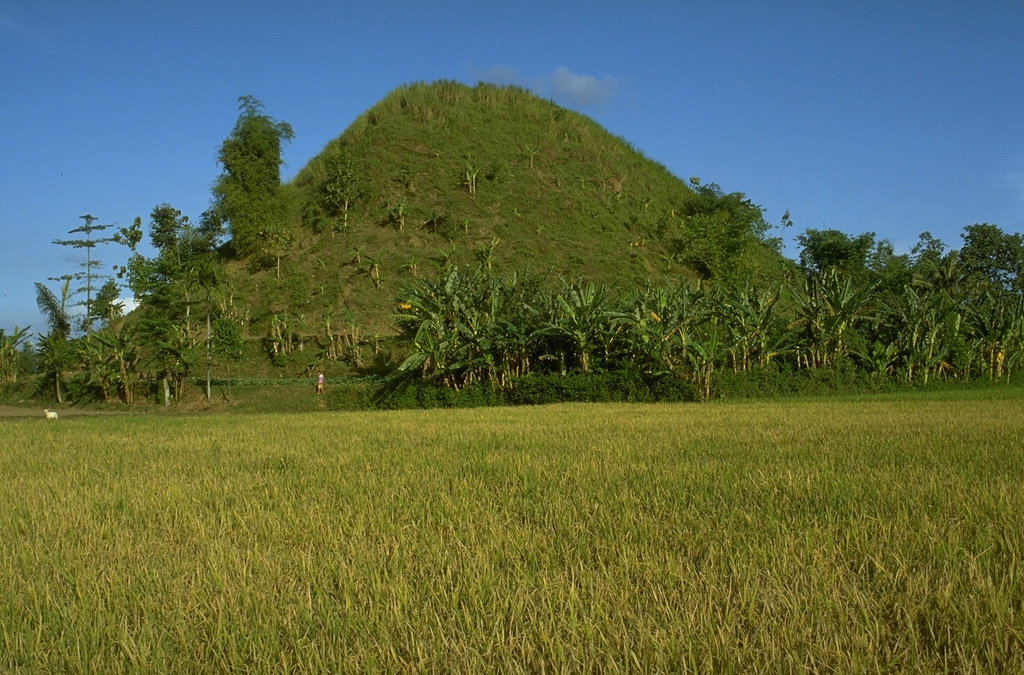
106, 306
248, 193
88, 273
993, 257
185, 272
718, 230
825, 250
927, 253
228, 345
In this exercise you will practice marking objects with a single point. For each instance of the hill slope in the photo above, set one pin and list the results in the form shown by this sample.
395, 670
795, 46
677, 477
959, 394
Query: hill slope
439, 174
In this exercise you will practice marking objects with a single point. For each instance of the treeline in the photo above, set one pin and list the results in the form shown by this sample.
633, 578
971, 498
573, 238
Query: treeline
850, 310
184, 302
851, 306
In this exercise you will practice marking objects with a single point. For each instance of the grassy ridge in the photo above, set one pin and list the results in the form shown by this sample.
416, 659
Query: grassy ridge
861, 535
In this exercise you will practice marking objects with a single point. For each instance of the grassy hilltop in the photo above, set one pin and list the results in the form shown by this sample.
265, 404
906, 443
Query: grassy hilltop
445, 174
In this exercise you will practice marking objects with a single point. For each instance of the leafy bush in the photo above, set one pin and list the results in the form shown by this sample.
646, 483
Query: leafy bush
537, 389
601, 387
777, 380
349, 396
403, 393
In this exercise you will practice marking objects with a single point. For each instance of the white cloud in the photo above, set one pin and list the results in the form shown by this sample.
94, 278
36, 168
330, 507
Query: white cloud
129, 303
563, 85
582, 89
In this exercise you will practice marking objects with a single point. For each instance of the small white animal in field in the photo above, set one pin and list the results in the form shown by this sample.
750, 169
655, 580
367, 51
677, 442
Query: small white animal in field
50, 414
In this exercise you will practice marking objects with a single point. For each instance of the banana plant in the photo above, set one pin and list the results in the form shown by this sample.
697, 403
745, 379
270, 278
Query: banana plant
829, 309
704, 353
110, 359
654, 324
879, 358
56, 356
757, 331
582, 320
995, 328
430, 317
918, 323
175, 356
10, 345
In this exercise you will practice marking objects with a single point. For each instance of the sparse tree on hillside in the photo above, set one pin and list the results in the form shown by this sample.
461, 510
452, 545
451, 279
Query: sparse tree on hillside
396, 213
341, 188
485, 254
373, 267
469, 177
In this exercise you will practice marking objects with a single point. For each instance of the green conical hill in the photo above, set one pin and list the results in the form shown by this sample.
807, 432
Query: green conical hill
443, 173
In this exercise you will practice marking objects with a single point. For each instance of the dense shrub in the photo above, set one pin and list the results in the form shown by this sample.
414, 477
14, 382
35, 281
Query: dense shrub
403, 393
537, 389
349, 396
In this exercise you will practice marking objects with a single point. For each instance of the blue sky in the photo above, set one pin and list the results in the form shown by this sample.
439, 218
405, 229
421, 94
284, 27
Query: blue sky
890, 117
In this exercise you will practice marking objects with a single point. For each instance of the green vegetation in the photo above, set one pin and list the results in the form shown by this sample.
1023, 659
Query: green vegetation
482, 238
867, 535
248, 194
184, 278
896, 319
103, 306
442, 174
12, 355
463, 247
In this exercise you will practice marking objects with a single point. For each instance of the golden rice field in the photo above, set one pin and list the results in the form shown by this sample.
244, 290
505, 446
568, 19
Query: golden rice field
867, 535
